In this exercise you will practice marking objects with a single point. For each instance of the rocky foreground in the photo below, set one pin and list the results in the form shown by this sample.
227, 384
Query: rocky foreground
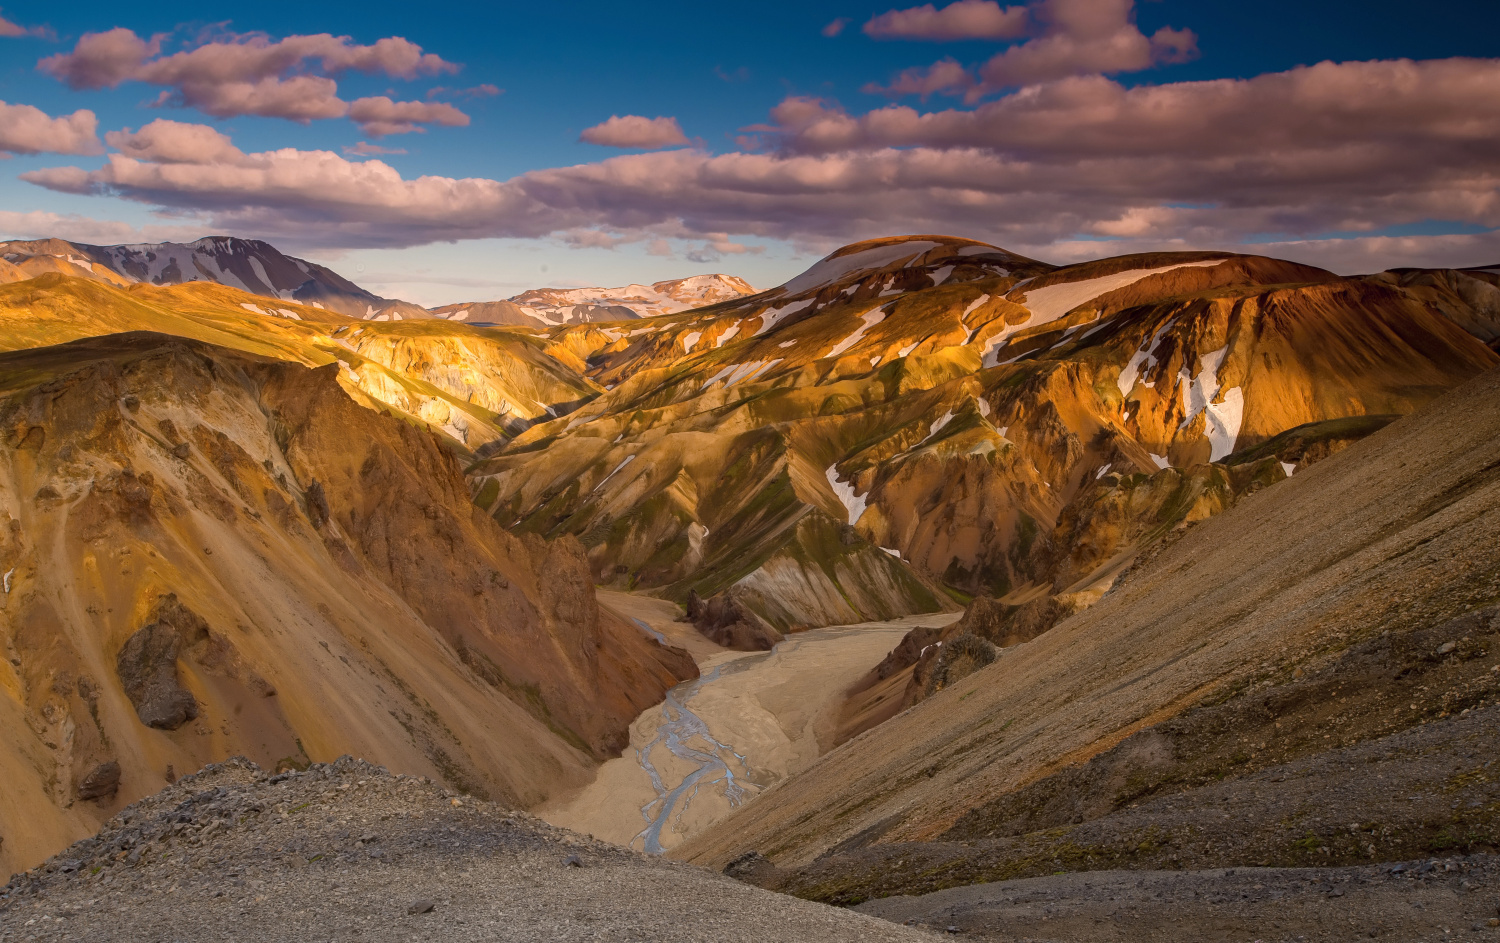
348, 851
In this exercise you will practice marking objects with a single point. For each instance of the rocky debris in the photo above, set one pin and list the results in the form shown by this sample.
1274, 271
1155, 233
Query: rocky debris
1433, 788
147, 664
1435, 898
726, 619
346, 850
940, 657
102, 782
958, 658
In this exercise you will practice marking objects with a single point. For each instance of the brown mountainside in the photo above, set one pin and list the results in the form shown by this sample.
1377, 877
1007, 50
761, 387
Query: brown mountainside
1292, 682
211, 553
917, 420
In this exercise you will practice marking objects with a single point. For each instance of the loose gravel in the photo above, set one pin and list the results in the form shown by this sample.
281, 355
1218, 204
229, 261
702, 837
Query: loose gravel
349, 852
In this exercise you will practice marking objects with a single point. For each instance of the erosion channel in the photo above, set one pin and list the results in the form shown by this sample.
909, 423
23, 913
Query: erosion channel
750, 720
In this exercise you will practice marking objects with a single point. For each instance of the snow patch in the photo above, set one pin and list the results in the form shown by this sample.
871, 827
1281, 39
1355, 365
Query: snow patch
627, 461
771, 317
1054, 301
724, 338
974, 306
689, 339
787, 343
832, 269
250, 307
871, 318
941, 275
1147, 356
1159, 460
1288, 468
854, 505
1103, 471
906, 351
1221, 423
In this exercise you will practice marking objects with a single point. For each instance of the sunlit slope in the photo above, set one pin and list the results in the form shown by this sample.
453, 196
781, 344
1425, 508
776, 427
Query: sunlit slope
213, 553
1263, 614
475, 386
983, 422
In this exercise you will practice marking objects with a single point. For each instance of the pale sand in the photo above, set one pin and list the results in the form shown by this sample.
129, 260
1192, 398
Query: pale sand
774, 709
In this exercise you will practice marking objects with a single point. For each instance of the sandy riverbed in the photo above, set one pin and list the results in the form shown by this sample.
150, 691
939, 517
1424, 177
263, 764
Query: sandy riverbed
753, 719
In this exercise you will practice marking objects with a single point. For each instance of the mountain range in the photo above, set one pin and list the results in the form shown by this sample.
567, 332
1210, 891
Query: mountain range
261, 269
1210, 519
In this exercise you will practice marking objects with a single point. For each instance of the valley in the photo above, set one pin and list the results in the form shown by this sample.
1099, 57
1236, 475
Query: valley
934, 571
747, 722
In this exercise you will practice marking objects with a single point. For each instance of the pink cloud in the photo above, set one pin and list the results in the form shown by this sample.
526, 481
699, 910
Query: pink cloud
25, 129
37, 224
175, 142
635, 131
1083, 37
945, 76
11, 30
835, 27
1336, 147
965, 19
245, 74
380, 116
365, 149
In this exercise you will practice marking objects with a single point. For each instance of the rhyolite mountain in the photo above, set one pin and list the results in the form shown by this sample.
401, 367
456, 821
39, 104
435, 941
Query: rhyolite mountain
550, 307
916, 421
911, 423
247, 264
261, 269
209, 552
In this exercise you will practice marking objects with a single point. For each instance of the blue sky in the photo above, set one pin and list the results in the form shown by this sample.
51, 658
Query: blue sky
720, 69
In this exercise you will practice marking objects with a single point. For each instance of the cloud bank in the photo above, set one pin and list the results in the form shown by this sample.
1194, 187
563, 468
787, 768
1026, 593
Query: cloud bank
254, 75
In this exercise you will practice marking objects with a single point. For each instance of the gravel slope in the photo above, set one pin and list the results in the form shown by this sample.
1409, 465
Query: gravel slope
1448, 899
347, 851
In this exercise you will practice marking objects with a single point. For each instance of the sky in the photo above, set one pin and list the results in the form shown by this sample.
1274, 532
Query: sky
473, 153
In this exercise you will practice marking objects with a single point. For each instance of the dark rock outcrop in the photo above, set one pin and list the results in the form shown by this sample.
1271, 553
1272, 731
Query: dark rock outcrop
102, 782
147, 665
728, 621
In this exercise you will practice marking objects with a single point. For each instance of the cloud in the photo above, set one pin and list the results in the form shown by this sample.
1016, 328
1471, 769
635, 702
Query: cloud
11, 30
365, 149
945, 76
835, 27
659, 247
965, 19
1283, 158
379, 116
38, 224
1085, 37
25, 129
634, 131
482, 90
1064, 38
247, 74
175, 142
590, 239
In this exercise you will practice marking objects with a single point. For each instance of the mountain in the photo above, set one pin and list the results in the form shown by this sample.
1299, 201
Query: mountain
1305, 681
211, 553
475, 387
550, 307
260, 269
246, 264
916, 421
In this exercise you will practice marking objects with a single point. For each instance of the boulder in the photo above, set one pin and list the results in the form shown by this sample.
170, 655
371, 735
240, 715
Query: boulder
726, 620
147, 665
102, 782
